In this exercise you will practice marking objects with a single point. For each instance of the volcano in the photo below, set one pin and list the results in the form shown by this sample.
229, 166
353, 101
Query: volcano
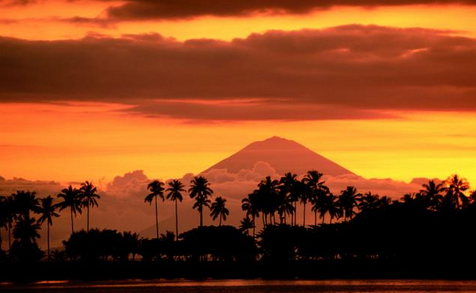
281, 154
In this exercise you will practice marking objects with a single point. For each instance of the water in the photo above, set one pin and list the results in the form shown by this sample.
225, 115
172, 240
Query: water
245, 286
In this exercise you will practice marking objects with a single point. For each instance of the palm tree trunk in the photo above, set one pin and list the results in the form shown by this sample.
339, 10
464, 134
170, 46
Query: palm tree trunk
156, 217
48, 240
176, 221
219, 224
304, 215
315, 218
72, 223
87, 226
295, 213
9, 238
254, 227
201, 216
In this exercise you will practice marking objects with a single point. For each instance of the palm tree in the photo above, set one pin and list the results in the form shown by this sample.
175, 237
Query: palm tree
156, 190
26, 230
289, 186
285, 206
4, 215
314, 186
319, 205
332, 208
456, 190
47, 212
89, 197
200, 190
131, 243
7, 216
175, 190
267, 196
246, 224
219, 209
368, 201
472, 197
250, 206
72, 200
298, 191
431, 192
347, 201
25, 202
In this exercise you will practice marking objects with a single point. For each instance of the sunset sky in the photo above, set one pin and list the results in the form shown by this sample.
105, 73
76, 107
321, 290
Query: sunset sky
93, 89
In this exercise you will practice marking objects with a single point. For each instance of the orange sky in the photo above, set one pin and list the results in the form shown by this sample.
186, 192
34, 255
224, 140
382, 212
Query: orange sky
93, 142
45, 21
99, 137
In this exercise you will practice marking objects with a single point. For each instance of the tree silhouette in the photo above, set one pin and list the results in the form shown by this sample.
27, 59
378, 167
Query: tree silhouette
26, 230
200, 191
267, 199
47, 212
7, 216
88, 193
285, 206
175, 190
246, 224
219, 209
472, 197
290, 187
456, 190
320, 204
25, 202
432, 193
250, 206
368, 201
131, 243
3, 217
156, 191
314, 188
332, 207
71, 199
347, 201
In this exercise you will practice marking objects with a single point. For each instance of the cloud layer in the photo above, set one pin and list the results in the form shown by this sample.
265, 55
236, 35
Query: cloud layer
165, 9
342, 72
122, 205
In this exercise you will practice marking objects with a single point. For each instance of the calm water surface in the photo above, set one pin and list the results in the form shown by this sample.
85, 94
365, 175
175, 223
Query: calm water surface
245, 286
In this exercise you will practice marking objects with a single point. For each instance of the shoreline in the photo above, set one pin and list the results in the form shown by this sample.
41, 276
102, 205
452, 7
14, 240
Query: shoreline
200, 271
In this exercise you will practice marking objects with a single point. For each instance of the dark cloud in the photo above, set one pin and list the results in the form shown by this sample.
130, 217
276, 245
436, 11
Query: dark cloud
166, 9
253, 111
85, 21
337, 73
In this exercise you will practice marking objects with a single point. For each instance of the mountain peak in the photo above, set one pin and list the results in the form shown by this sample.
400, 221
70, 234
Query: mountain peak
283, 155
276, 138
273, 142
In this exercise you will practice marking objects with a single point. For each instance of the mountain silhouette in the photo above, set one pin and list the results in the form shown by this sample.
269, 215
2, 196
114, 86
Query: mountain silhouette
283, 155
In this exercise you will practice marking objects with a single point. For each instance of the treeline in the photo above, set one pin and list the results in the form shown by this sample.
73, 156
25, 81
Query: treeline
436, 223
17, 217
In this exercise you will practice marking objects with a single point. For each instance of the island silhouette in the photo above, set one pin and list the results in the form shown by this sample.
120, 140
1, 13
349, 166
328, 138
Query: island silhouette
426, 234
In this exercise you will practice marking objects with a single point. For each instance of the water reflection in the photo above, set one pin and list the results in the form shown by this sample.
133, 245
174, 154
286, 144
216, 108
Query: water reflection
246, 286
